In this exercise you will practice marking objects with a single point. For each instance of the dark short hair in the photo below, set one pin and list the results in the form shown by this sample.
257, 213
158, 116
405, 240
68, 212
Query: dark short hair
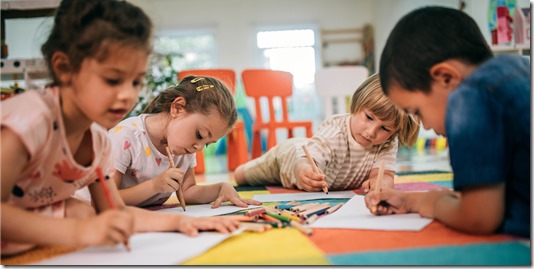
425, 37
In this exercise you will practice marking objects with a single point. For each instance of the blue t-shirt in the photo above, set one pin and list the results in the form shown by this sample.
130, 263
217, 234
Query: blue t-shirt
488, 127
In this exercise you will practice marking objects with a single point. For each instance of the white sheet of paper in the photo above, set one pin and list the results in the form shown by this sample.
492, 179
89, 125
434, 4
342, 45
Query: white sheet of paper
146, 249
300, 196
355, 215
205, 210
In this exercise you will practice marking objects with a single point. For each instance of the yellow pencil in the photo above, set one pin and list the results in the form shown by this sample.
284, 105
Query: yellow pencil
378, 183
314, 166
179, 192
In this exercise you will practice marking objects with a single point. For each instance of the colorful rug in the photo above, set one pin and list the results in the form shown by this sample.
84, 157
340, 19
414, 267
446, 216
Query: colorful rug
434, 245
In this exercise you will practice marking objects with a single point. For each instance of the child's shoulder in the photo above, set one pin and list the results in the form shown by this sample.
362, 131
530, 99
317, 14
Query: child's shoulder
132, 124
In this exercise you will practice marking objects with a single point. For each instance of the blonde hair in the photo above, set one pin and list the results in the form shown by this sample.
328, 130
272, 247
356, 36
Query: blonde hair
370, 95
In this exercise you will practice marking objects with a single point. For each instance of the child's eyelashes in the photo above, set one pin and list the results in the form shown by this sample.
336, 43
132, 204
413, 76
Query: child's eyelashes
369, 117
199, 136
386, 129
113, 82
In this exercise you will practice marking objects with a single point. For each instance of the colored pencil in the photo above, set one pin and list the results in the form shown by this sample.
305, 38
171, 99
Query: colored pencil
314, 166
179, 192
301, 228
109, 199
255, 212
312, 219
334, 208
378, 184
278, 217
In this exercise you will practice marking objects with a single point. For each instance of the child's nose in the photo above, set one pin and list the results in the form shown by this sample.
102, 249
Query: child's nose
371, 131
128, 93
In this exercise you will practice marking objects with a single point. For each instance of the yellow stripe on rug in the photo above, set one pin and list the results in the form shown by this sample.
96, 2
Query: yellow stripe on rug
285, 246
424, 178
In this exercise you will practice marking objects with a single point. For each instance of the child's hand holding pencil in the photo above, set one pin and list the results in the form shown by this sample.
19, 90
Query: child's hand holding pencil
116, 226
314, 180
179, 191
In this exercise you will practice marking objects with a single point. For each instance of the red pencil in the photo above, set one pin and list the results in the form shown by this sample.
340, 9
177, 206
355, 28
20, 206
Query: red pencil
107, 194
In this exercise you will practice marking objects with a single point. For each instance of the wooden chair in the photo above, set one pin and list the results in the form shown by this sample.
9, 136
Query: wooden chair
336, 85
264, 83
237, 145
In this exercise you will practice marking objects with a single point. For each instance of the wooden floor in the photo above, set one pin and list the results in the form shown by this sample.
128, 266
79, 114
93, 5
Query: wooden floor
408, 160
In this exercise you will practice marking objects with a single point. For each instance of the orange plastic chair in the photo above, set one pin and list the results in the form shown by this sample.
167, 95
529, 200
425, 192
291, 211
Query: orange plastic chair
265, 83
237, 145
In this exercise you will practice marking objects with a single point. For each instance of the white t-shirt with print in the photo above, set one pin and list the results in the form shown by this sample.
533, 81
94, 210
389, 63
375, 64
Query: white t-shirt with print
138, 159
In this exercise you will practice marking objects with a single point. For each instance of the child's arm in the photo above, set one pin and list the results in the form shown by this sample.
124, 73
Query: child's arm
308, 180
217, 193
166, 182
149, 221
476, 210
21, 226
387, 180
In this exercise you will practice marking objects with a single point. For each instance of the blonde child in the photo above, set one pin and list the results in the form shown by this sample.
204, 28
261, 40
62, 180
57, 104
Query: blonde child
347, 148
481, 103
193, 114
53, 139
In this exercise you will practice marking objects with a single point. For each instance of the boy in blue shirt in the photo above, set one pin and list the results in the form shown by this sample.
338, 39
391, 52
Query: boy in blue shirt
436, 64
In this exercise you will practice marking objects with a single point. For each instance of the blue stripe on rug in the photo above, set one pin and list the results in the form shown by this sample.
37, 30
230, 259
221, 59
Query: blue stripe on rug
509, 253
443, 183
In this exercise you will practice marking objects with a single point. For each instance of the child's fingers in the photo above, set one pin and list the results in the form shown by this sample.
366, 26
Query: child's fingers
307, 185
237, 201
173, 184
366, 185
251, 202
315, 183
217, 202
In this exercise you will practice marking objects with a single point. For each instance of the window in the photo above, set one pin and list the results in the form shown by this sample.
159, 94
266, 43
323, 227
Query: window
189, 49
295, 50
175, 51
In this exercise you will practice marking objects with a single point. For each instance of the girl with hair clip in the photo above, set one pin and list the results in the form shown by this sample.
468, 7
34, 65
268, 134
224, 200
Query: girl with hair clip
185, 118
347, 148
97, 54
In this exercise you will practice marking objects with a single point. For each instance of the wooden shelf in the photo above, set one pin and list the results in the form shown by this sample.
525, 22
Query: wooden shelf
523, 49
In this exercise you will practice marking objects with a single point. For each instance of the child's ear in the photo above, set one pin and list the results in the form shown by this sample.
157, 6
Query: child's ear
446, 75
178, 106
61, 67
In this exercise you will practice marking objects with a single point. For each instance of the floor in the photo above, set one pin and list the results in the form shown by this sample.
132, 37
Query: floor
408, 160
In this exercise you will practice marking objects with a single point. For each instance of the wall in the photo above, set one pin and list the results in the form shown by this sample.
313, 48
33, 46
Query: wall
236, 21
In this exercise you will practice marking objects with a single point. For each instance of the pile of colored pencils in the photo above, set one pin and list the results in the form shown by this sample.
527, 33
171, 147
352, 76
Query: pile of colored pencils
292, 214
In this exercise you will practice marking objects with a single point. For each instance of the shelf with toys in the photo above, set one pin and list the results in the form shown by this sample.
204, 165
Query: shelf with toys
510, 27
19, 74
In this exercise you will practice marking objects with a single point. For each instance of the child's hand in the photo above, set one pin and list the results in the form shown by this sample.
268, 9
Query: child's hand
228, 193
369, 184
169, 181
109, 228
308, 180
388, 201
191, 225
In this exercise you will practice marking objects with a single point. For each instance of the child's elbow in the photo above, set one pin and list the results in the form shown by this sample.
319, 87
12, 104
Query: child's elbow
482, 225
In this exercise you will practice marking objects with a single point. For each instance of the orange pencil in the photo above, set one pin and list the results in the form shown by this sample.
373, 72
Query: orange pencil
107, 194
179, 192
314, 166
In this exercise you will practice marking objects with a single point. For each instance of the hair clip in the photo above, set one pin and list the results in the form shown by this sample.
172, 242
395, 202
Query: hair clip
195, 80
204, 87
